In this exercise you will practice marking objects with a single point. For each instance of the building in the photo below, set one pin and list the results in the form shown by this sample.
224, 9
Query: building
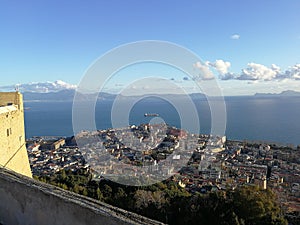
13, 154
25, 201
53, 144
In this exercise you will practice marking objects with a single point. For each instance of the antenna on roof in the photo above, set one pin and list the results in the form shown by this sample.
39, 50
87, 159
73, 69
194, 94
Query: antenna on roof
17, 86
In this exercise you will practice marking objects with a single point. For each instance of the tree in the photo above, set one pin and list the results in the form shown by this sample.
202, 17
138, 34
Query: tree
107, 191
256, 206
84, 191
99, 195
151, 204
120, 198
76, 188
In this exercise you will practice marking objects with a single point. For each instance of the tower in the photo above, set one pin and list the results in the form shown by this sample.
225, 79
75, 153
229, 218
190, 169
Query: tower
13, 153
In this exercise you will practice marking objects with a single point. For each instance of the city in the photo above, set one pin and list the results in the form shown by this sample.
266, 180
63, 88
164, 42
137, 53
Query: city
214, 163
150, 112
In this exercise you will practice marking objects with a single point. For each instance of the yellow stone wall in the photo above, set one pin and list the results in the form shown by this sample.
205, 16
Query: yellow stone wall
13, 153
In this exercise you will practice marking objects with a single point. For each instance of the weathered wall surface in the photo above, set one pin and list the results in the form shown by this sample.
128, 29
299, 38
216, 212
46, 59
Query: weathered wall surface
13, 154
24, 201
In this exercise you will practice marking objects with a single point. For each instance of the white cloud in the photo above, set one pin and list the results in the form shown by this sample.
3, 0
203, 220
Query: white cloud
228, 76
221, 66
253, 71
275, 68
205, 72
41, 87
293, 72
256, 71
235, 36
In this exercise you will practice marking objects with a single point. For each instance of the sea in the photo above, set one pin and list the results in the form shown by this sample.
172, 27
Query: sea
266, 119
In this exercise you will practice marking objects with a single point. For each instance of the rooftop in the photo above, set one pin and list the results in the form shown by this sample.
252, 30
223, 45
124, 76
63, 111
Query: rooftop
8, 108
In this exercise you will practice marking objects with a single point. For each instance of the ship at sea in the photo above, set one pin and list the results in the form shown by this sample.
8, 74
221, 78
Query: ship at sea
151, 114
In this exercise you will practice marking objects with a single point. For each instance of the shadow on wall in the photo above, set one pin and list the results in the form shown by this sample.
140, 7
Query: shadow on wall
25, 201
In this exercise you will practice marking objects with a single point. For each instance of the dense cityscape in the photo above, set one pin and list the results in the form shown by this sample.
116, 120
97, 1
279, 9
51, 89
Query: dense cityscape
212, 163
150, 112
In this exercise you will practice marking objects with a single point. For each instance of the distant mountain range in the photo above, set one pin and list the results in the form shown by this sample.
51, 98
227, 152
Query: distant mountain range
40, 87
288, 93
64, 95
62, 91
68, 95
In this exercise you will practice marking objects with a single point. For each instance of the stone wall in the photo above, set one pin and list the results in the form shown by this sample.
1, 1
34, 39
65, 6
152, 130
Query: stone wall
13, 153
24, 201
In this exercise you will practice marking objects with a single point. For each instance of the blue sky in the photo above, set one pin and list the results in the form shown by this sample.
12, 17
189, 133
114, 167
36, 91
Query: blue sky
58, 40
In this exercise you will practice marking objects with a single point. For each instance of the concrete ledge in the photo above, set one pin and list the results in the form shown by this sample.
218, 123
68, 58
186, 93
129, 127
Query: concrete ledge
24, 201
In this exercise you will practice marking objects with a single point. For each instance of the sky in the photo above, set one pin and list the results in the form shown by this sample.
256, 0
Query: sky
248, 46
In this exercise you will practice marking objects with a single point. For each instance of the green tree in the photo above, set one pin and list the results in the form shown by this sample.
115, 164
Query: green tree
84, 191
256, 206
76, 188
107, 193
99, 195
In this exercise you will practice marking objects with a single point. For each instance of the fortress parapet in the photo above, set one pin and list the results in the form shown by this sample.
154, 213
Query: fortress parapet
13, 154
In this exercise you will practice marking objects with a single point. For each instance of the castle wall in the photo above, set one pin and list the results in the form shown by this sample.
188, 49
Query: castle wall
24, 201
13, 153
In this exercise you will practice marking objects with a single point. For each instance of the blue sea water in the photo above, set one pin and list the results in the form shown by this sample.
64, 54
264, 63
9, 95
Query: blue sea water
250, 118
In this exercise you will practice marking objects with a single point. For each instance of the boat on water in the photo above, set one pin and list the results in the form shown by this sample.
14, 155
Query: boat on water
151, 114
